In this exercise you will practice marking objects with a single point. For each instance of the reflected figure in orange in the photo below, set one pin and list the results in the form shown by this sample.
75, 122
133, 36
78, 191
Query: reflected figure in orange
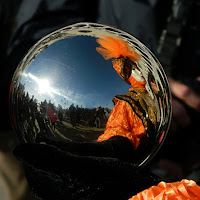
134, 113
52, 117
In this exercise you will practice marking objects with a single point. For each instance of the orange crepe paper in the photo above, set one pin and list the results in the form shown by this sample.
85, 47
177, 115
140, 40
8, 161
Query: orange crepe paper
124, 122
180, 190
115, 48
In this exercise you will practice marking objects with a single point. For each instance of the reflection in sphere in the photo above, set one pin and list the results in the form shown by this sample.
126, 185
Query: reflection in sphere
64, 89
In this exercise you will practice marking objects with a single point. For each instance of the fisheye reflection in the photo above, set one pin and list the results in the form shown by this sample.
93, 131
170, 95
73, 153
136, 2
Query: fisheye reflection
68, 88
80, 114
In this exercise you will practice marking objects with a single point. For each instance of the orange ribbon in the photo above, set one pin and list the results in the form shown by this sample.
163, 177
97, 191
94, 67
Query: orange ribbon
181, 190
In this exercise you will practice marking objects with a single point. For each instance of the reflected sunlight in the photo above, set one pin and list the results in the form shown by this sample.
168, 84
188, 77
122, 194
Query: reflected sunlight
44, 86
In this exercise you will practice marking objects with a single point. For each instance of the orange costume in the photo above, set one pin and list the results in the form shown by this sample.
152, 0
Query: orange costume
128, 117
181, 190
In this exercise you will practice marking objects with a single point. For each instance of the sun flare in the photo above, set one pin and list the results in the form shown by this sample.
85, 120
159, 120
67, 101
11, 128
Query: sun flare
44, 86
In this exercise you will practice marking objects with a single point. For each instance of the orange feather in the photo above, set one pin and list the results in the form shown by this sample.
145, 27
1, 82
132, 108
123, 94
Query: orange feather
115, 47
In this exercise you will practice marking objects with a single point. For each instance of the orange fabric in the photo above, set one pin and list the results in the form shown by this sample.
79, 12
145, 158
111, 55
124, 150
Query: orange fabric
124, 122
131, 80
181, 190
115, 47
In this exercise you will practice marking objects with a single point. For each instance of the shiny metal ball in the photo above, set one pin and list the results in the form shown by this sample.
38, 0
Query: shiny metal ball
63, 88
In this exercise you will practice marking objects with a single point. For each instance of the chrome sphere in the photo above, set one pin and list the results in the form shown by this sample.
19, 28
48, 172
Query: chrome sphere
63, 88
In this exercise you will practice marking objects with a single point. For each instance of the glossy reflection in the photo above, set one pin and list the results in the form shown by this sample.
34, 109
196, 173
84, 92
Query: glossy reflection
63, 89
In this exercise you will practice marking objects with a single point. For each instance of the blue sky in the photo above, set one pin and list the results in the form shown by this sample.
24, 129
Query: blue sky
77, 74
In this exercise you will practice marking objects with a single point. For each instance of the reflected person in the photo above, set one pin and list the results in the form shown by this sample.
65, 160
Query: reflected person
52, 116
99, 115
134, 113
72, 115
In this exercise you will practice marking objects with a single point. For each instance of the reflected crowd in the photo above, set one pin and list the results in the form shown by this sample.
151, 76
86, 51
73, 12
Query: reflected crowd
45, 119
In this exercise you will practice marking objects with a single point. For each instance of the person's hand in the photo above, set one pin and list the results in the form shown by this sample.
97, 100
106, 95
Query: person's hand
182, 94
81, 171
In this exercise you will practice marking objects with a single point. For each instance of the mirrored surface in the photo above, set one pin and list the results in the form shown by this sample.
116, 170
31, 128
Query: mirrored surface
63, 89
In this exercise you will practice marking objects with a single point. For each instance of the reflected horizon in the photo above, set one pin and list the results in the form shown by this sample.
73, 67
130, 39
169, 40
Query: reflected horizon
69, 81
